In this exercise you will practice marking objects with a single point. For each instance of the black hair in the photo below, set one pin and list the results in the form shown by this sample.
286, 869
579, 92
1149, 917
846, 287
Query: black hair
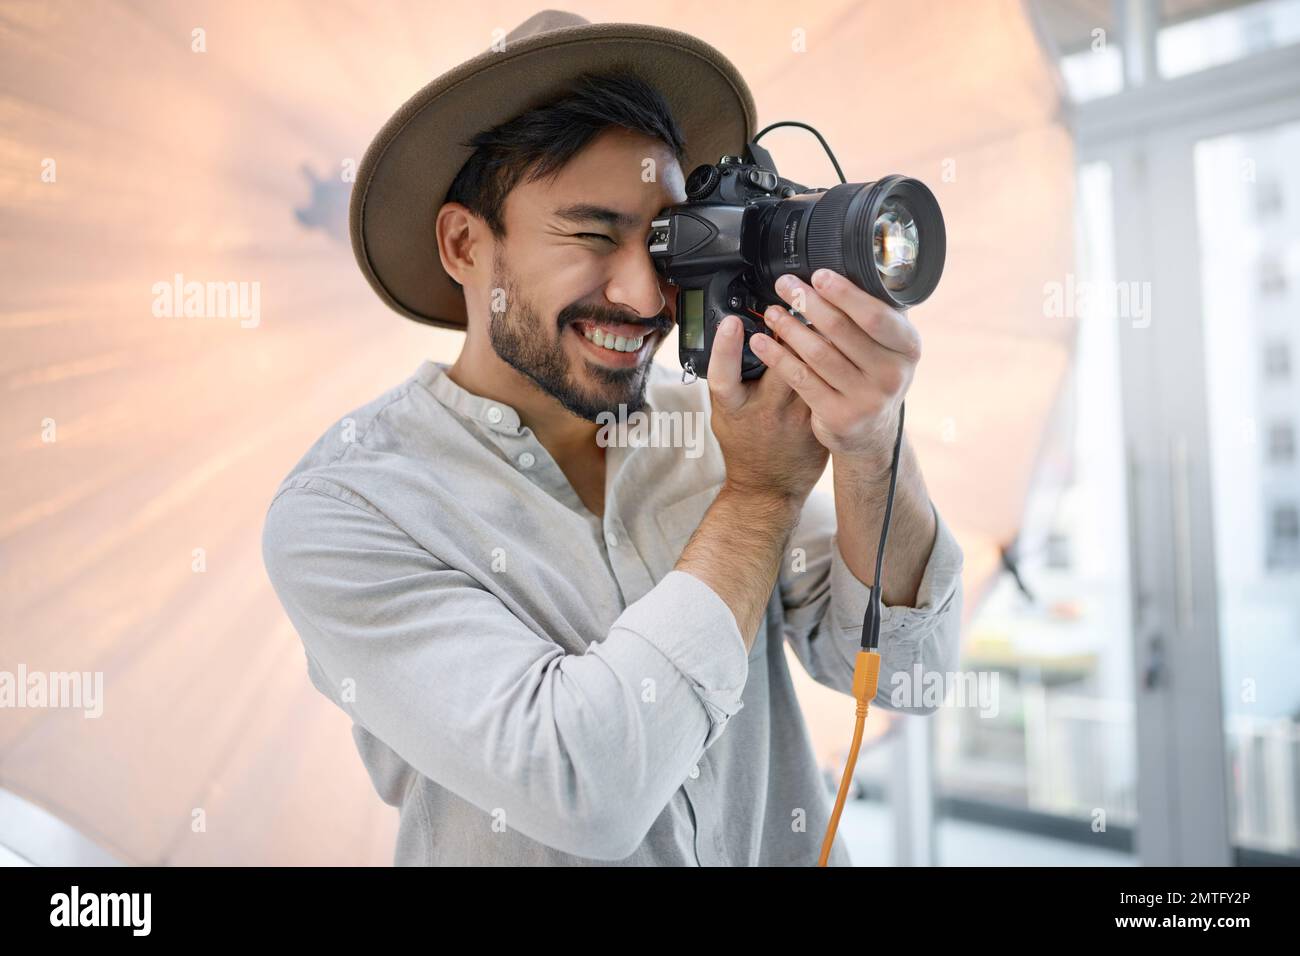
538, 143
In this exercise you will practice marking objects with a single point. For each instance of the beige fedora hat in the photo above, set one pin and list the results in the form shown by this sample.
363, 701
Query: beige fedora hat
405, 174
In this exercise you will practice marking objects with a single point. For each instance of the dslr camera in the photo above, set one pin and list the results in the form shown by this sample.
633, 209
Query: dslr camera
743, 226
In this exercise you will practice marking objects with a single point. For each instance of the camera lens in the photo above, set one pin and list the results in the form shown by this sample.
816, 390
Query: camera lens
887, 237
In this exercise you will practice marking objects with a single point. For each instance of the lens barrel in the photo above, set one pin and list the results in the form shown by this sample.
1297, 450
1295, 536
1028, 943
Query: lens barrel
841, 229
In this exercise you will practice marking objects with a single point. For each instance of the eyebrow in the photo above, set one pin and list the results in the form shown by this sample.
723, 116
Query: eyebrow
586, 212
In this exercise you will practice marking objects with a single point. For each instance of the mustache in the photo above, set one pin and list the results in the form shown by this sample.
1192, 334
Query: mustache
663, 322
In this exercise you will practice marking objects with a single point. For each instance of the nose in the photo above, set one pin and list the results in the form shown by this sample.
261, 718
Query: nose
637, 285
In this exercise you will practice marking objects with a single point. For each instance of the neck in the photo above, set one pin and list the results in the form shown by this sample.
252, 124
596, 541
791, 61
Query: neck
564, 435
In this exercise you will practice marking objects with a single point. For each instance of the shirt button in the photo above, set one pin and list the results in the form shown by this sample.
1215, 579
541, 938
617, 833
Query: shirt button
526, 460
611, 539
695, 771
494, 415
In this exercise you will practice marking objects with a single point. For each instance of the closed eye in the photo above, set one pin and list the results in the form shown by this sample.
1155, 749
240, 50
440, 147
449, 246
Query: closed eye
595, 235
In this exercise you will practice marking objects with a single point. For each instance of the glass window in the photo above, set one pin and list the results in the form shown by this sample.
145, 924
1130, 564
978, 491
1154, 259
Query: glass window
1093, 73
1190, 41
1268, 198
1281, 443
1058, 754
1284, 537
1191, 35
1257, 529
1277, 360
1272, 280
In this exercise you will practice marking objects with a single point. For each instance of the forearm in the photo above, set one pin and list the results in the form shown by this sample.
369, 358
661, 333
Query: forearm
737, 551
860, 493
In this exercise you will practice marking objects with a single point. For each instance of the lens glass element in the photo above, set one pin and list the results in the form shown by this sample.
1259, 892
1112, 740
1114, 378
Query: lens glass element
895, 242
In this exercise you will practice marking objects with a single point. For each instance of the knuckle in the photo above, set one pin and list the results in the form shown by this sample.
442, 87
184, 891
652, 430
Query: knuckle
874, 320
831, 324
817, 350
837, 421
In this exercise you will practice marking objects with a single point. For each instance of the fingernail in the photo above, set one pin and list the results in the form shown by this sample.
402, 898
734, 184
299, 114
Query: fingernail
729, 326
821, 278
785, 283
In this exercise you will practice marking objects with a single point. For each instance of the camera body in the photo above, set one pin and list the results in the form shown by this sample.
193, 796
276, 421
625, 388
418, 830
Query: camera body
743, 226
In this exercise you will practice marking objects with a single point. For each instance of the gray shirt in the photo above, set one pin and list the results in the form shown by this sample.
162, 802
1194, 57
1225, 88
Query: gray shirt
531, 684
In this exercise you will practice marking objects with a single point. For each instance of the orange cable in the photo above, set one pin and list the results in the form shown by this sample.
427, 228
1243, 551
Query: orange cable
866, 677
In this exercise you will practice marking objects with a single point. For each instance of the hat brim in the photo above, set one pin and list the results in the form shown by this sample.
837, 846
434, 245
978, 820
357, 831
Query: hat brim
404, 176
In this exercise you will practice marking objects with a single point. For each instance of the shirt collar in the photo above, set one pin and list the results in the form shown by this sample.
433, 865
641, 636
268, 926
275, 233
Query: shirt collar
489, 413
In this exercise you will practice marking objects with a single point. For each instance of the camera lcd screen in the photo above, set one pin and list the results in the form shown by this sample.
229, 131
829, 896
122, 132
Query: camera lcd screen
692, 319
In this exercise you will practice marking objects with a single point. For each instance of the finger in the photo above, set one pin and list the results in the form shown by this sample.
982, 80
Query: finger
884, 324
819, 396
725, 387
774, 388
771, 388
881, 366
818, 352
833, 325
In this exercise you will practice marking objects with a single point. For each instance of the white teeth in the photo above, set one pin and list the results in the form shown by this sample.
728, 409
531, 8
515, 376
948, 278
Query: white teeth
615, 343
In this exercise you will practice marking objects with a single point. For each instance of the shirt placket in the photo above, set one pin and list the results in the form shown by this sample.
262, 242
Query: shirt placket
629, 567
528, 456
710, 843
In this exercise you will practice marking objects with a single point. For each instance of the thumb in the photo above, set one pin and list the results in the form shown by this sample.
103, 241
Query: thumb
725, 387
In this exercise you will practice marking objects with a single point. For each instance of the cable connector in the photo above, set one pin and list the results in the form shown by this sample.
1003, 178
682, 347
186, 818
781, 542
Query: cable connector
866, 678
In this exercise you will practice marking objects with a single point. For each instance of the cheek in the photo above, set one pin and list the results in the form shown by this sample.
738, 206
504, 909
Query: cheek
570, 276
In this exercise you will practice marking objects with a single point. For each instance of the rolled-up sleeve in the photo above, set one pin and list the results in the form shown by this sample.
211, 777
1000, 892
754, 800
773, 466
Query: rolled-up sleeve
825, 604
582, 752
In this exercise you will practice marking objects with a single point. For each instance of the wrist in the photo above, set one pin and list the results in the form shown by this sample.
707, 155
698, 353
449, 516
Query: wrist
766, 502
864, 470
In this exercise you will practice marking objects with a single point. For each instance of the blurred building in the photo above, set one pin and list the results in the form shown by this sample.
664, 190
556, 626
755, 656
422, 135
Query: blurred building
1176, 444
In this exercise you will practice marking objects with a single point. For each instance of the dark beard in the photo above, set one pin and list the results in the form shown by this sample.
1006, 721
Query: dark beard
517, 336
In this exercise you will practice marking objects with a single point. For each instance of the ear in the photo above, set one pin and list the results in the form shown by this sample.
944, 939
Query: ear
460, 240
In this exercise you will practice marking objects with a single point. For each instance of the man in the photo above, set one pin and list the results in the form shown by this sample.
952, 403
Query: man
558, 649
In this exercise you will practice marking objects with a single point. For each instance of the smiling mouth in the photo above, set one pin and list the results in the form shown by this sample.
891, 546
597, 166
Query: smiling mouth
614, 338
616, 345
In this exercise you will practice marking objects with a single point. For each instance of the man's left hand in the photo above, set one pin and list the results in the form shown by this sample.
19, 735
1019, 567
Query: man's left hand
852, 371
